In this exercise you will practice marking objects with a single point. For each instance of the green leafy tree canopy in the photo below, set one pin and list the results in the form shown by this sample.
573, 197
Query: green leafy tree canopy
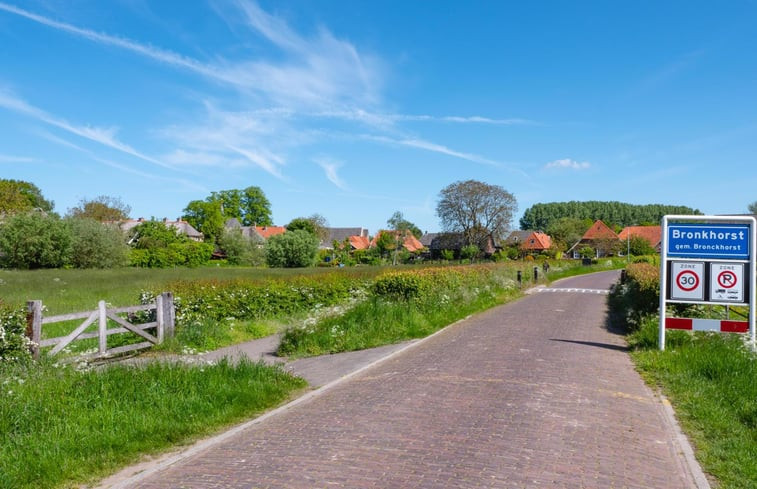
19, 196
34, 240
250, 206
102, 208
315, 224
541, 216
293, 249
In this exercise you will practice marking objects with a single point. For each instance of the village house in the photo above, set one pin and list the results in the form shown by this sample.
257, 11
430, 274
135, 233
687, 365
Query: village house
535, 243
410, 242
255, 233
650, 234
356, 237
182, 227
600, 238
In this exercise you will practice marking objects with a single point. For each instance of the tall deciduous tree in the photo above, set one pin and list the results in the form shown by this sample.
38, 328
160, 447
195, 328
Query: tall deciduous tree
315, 224
476, 209
250, 206
19, 196
101, 208
398, 223
753, 208
207, 217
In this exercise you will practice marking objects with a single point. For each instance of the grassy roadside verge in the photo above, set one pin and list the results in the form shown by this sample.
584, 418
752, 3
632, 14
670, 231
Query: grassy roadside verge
59, 426
413, 304
708, 377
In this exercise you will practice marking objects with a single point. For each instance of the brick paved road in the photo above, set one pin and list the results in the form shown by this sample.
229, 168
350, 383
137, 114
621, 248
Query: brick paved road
529, 395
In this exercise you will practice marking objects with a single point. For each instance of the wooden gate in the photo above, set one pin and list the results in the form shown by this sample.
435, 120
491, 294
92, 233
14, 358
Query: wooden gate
163, 325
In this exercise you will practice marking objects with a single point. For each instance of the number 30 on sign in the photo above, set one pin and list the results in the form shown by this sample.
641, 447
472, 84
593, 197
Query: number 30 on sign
687, 281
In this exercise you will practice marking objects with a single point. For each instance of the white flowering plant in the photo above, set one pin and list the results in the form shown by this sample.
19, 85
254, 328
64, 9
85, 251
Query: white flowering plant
14, 345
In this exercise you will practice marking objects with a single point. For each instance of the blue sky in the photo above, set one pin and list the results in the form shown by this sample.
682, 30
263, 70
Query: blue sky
357, 109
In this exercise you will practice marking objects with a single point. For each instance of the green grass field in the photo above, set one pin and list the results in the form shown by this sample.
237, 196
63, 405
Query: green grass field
65, 291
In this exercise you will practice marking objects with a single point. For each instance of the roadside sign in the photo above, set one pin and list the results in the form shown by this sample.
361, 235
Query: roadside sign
687, 281
709, 260
727, 282
714, 241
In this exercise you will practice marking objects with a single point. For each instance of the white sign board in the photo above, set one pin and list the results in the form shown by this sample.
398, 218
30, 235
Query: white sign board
727, 282
687, 281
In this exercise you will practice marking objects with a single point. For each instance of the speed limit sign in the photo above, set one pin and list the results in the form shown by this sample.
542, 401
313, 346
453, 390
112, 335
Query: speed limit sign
687, 281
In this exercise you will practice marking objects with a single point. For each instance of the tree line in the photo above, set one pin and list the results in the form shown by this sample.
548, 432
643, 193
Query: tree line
542, 216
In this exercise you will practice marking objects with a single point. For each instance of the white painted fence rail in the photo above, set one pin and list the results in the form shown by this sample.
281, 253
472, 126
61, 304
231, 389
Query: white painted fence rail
165, 315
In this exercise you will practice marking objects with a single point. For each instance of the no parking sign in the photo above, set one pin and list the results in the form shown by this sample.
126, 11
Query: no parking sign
727, 282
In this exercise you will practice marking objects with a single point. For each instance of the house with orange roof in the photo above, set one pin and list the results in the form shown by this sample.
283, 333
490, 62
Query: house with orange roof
600, 238
359, 242
536, 242
410, 243
357, 238
267, 231
650, 234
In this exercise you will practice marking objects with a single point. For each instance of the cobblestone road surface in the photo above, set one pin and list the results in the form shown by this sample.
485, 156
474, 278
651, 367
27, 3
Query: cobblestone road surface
533, 394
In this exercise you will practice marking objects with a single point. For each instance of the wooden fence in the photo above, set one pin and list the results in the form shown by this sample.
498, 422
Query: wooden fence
165, 315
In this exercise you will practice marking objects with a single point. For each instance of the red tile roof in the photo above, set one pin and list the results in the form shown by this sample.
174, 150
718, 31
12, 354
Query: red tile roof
536, 241
652, 234
268, 231
599, 230
411, 243
359, 242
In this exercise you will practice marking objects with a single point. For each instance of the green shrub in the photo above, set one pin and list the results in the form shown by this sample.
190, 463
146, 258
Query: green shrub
241, 299
399, 286
239, 249
96, 245
293, 249
638, 296
34, 240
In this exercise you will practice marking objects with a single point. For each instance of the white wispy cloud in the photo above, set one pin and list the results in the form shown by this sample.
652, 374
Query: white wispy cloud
15, 159
104, 136
145, 50
568, 164
307, 76
232, 139
381, 119
433, 147
331, 168
316, 72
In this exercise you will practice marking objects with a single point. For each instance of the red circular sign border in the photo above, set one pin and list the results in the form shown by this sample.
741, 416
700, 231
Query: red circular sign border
728, 272
696, 284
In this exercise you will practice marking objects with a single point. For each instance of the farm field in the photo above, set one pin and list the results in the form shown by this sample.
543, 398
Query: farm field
65, 291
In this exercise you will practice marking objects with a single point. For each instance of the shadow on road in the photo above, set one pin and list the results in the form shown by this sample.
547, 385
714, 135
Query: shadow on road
607, 346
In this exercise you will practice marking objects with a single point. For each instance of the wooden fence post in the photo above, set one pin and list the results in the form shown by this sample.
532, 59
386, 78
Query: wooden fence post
169, 314
160, 318
102, 328
34, 326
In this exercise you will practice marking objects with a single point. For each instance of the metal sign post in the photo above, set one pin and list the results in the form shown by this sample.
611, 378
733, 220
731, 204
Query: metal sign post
708, 260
